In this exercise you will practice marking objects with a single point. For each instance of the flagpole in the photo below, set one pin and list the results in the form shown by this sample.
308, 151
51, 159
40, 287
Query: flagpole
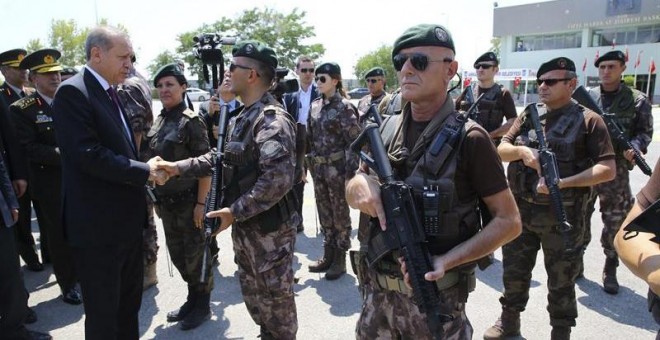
648, 83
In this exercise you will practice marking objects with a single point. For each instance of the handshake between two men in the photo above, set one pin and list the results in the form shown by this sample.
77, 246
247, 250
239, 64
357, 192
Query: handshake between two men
160, 170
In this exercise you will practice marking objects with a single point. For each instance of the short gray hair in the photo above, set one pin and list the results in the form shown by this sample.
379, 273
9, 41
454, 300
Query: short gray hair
101, 36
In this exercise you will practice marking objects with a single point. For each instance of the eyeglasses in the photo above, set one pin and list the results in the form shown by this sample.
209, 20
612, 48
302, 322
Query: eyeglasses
321, 78
419, 61
133, 59
550, 82
373, 81
483, 66
306, 70
232, 67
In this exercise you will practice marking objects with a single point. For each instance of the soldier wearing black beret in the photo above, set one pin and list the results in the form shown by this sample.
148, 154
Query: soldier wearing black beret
375, 79
424, 58
631, 111
585, 157
497, 103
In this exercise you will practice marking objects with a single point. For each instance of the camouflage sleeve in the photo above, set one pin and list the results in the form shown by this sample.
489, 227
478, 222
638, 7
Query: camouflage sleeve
350, 124
198, 141
201, 166
275, 143
643, 129
382, 106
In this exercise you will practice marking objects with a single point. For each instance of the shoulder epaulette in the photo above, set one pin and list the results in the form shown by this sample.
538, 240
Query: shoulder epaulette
190, 113
25, 102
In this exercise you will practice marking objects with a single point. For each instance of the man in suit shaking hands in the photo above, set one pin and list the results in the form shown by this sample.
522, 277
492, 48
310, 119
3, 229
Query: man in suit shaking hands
103, 187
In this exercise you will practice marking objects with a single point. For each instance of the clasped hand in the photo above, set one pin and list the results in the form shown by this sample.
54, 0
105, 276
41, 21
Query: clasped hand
160, 170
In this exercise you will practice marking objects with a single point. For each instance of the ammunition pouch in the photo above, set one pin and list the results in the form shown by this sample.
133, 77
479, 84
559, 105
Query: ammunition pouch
271, 219
235, 153
523, 180
358, 265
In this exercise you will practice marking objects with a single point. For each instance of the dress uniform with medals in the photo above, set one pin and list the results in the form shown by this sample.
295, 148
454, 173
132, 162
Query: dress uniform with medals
32, 117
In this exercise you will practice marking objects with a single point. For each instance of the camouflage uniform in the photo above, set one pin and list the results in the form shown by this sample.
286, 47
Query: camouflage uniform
368, 100
263, 239
135, 95
633, 115
391, 104
331, 128
178, 134
496, 105
580, 140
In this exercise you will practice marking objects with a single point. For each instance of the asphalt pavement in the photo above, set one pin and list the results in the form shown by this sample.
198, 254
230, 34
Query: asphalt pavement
329, 310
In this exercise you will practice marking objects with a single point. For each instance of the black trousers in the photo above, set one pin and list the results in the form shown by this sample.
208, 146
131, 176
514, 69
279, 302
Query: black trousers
13, 297
61, 257
111, 284
23, 230
298, 190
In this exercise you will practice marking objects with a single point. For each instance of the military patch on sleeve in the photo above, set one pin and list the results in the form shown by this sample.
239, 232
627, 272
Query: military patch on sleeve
353, 132
270, 148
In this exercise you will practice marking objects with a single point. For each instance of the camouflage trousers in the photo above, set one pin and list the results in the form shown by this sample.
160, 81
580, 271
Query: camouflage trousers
150, 237
265, 271
334, 213
389, 314
616, 200
186, 244
519, 258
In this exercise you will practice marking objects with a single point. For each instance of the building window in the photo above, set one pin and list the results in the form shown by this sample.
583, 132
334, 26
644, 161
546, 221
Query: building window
548, 42
647, 34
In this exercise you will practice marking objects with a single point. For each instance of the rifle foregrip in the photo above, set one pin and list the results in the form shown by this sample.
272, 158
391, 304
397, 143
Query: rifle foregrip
641, 163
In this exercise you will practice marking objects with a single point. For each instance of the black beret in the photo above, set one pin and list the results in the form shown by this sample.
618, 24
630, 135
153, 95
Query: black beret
375, 72
328, 68
12, 57
424, 35
488, 56
611, 55
561, 63
256, 50
170, 70
42, 61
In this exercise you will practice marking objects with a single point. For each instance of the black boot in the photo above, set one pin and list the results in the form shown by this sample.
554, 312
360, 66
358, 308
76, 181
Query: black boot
185, 309
560, 333
200, 313
324, 263
610, 283
338, 267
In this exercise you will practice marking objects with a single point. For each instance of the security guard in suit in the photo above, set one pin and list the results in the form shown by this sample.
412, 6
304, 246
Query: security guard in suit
12, 90
33, 120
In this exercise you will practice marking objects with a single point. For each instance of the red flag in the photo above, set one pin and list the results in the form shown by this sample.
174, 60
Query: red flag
597, 56
467, 82
652, 67
638, 61
626, 53
613, 43
584, 66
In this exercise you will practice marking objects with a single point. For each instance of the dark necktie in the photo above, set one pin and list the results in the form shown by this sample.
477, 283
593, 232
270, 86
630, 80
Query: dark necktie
115, 100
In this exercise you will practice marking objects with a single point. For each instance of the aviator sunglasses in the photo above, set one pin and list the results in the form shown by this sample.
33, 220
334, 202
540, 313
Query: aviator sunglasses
306, 70
419, 61
483, 66
550, 82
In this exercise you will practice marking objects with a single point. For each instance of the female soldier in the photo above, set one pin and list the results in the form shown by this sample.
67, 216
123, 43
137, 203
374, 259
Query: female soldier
332, 127
179, 133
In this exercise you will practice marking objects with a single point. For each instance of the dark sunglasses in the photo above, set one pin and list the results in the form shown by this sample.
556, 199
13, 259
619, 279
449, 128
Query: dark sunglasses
373, 81
419, 61
232, 67
483, 66
133, 59
306, 70
321, 78
550, 82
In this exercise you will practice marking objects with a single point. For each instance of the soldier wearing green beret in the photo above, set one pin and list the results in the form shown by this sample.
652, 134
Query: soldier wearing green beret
257, 176
424, 58
375, 79
585, 158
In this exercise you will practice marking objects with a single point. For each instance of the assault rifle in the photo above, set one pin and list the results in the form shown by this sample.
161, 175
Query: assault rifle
550, 173
213, 198
404, 229
583, 98
469, 99
374, 115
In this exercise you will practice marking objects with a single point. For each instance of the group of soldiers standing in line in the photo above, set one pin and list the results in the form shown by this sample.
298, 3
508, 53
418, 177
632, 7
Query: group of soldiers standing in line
263, 176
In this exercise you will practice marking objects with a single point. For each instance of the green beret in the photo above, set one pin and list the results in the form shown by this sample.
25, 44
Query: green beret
561, 63
488, 56
42, 61
611, 55
256, 50
170, 70
328, 68
12, 57
375, 72
424, 35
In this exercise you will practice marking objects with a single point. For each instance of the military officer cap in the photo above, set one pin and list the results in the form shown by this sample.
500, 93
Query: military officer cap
375, 72
424, 35
42, 61
68, 71
12, 57
256, 50
328, 68
611, 55
561, 63
170, 70
488, 56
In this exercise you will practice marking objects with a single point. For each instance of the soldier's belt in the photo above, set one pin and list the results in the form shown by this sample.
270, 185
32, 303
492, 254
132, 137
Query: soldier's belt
176, 197
333, 157
397, 284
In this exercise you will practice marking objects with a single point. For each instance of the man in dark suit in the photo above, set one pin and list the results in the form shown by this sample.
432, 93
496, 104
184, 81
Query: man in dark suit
13, 297
32, 116
104, 207
12, 90
298, 105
